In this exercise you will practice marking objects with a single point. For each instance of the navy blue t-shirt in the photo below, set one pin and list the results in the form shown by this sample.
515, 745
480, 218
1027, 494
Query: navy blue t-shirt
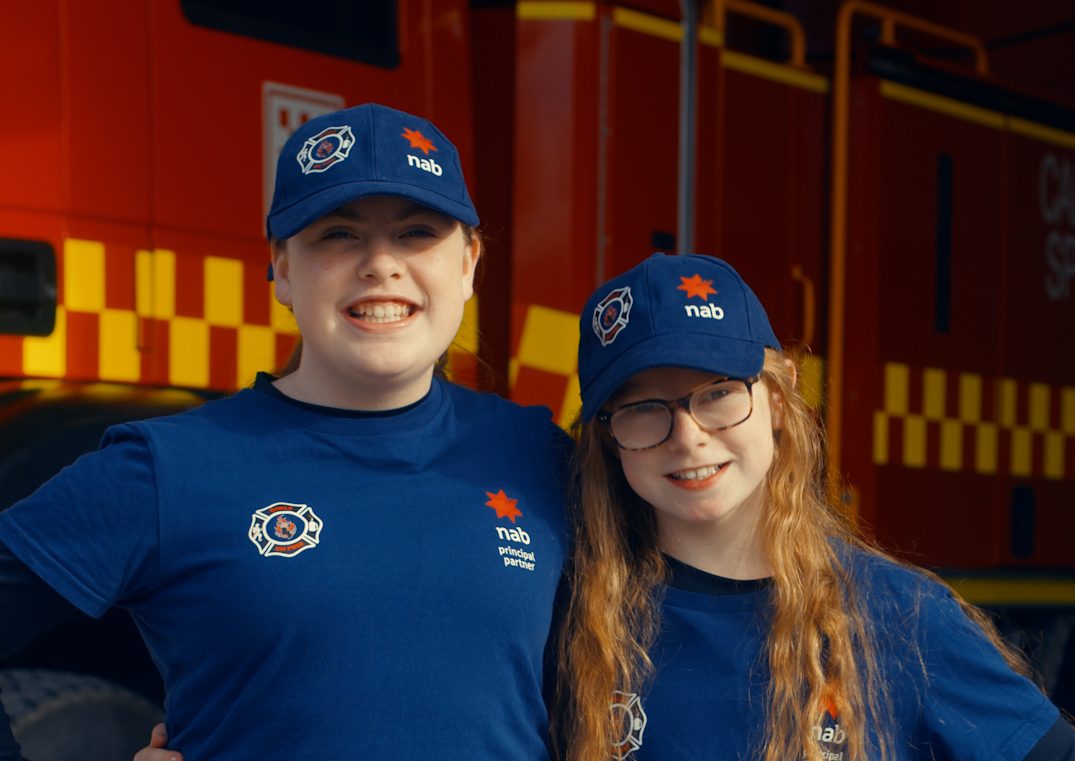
317, 585
953, 695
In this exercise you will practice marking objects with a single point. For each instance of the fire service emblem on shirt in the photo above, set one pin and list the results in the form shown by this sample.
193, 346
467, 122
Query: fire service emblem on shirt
628, 714
285, 529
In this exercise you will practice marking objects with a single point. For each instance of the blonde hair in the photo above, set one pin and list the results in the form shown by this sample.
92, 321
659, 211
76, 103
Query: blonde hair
820, 646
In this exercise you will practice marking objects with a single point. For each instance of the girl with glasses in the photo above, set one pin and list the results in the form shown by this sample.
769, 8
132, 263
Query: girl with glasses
725, 605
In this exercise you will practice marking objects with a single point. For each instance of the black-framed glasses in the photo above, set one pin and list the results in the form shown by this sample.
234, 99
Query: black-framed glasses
715, 406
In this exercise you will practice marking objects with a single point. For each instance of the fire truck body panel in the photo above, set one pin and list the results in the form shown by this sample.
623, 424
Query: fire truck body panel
966, 400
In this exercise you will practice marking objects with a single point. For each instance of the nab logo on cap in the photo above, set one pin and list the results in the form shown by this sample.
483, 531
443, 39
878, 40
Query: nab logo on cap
325, 149
695, 286
611, 314
425, 145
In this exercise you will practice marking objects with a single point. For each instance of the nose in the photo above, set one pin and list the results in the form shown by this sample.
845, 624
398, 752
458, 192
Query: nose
380, 261
686, 433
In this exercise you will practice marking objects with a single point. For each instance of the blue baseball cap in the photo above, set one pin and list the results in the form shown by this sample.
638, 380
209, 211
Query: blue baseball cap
690, 311
365, 151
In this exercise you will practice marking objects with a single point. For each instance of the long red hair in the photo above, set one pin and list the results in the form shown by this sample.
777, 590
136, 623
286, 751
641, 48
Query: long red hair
820, 646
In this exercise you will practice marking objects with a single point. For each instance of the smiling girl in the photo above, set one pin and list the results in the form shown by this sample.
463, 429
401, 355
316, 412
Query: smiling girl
726, 606
320, 564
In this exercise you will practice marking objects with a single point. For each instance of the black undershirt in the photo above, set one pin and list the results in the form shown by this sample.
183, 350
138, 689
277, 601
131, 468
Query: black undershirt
691, 579
263, 382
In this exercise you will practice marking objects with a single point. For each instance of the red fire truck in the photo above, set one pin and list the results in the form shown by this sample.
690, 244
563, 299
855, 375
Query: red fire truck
904, 215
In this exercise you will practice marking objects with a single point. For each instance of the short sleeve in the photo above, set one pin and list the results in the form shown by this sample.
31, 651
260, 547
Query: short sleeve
975, 706
92, 531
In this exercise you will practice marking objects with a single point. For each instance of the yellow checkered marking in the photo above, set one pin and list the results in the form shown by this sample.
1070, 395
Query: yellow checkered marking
257, 351
119, 351
119, 359
188, 352
1057, 444
120, 343
47, 355
188, 337
155, 284
223, 291
84, 275
549, 342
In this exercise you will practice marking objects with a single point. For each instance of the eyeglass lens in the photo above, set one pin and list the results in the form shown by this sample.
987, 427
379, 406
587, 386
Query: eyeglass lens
646, 424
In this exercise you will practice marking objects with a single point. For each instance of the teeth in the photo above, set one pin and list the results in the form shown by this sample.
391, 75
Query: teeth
380, 311
695, 475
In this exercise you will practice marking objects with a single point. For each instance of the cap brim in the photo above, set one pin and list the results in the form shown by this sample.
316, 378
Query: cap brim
286, 222
732, 357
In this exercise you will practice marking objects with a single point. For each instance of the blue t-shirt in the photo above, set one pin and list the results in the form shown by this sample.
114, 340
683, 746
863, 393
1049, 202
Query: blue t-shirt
953, 695
317, 585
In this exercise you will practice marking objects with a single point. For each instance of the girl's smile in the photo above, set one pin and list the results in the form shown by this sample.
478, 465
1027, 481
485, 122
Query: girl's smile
372, 312
696, 478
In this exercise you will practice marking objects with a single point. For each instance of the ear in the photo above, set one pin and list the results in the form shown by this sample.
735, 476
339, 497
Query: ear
281, 271
776, 398
472, 252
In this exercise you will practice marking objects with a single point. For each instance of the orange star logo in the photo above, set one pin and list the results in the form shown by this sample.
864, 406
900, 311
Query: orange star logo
695, 286
829, 702
504, 505
418, 140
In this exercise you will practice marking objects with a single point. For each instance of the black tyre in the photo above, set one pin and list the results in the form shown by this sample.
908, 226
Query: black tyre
59, 716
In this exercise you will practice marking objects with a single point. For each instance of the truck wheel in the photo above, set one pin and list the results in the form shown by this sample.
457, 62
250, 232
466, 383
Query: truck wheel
58, 716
